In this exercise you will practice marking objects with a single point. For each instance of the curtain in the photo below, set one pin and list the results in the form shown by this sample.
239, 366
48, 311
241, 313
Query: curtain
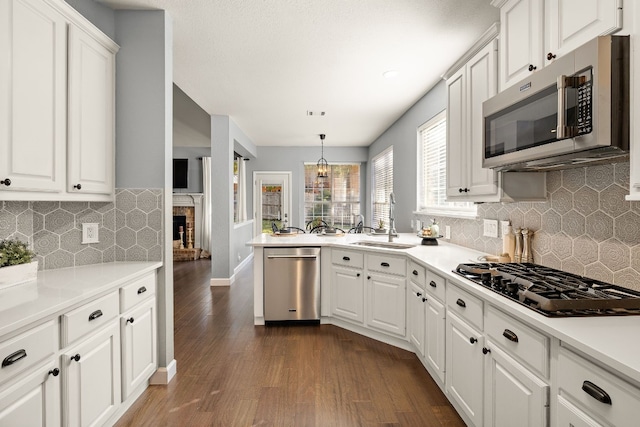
205, 236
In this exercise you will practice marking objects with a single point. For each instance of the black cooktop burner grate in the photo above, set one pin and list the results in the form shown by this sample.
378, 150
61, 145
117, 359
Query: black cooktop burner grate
553, 292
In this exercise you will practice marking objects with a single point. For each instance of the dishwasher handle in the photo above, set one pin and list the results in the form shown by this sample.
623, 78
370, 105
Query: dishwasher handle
291, 256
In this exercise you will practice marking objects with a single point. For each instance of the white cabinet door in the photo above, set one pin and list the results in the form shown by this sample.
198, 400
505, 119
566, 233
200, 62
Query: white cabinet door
91, 115
465, 367
482, 82
347, 294
138, 332
91, 382
434, 342
571, 23
513, 395
386, 309
521, 39
416, 316
467, 89
456, 135
33, 55
34, 400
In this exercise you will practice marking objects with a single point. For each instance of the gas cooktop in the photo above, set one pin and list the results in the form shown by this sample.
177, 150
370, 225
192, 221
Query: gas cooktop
551, 292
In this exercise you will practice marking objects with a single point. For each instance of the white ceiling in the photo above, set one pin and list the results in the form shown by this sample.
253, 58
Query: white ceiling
265, 63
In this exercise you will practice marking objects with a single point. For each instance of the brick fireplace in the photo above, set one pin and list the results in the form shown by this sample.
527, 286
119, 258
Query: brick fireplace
187, 224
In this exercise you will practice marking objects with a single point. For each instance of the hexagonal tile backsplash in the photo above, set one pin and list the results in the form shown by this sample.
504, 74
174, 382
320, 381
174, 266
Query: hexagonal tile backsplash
586, 226
129, 230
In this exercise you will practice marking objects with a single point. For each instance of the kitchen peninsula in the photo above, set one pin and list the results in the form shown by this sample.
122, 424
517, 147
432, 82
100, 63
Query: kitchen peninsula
493, 358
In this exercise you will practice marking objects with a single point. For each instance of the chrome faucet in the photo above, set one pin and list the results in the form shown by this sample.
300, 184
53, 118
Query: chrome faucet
360, 224
392, 219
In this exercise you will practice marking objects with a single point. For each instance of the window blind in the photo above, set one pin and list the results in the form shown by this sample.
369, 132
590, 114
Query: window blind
382, 185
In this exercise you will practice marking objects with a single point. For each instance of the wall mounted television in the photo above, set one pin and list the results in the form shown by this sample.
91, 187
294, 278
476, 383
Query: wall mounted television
180, 173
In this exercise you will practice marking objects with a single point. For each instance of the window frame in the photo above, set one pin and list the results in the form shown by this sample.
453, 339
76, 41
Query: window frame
451, 208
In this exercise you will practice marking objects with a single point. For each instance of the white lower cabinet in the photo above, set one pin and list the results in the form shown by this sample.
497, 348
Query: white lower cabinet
416, 317
513, 395
434, 341
465, 367
138, 333
91, 378
588, 395
34, 400
347, 294
386, 303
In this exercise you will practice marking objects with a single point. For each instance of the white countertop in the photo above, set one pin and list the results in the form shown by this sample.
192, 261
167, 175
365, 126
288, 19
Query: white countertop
58, 290
612, 340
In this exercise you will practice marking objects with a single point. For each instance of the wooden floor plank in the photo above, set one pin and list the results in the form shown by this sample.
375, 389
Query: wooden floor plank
232, 373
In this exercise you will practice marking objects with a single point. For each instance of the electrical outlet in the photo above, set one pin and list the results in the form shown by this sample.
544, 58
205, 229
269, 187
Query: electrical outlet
490, 228
90, 233
504, 228
447, 232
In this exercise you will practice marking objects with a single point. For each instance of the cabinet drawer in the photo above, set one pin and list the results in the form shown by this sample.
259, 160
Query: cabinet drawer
417, 274
136, 292
519, 340
387, 264
596, 391
348, 258
88, 318
435, 285
465, 305
27, 349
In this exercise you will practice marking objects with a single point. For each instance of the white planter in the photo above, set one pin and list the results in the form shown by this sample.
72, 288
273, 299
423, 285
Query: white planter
17, 274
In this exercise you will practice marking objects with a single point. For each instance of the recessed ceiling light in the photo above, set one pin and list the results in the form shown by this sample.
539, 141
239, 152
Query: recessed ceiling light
315, 113
390, 74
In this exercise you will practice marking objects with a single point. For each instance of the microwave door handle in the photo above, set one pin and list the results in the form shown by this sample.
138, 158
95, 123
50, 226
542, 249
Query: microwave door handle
561, 130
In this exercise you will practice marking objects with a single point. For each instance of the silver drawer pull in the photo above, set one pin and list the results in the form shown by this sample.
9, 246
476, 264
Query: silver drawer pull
95, 315
510, 335
596, 392
14, 357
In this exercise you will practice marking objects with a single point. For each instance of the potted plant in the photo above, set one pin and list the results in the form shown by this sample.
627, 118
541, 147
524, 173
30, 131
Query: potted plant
16, 263
381, 228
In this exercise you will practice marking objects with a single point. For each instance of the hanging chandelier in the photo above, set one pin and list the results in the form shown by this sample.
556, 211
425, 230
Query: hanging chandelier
323, 166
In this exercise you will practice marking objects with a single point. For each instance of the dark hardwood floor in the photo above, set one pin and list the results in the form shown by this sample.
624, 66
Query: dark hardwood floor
232, 373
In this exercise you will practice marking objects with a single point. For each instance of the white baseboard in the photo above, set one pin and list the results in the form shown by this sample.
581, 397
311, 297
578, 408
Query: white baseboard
232, 279
220, 282
164, 375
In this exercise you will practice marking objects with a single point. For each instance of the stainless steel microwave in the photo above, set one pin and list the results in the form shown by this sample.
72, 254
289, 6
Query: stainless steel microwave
573, 112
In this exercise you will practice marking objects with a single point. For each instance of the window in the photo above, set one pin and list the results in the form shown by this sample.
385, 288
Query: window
382, 186
239, 189
432, 170
335, 199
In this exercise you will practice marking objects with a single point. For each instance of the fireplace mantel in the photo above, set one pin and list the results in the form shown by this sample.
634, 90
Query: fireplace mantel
195, 200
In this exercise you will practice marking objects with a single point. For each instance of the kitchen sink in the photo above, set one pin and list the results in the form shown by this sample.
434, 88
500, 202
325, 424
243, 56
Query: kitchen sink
384, 245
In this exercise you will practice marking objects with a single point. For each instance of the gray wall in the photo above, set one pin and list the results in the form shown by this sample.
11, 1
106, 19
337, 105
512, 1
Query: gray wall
195, 167
403, 136
99, 15
226, 137
144, 118
292, 159
191, 124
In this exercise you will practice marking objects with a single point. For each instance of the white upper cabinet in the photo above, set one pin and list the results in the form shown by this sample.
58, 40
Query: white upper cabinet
33, 64
571, 23
91, 114
521, 39
467, 89
535, 32
56, 104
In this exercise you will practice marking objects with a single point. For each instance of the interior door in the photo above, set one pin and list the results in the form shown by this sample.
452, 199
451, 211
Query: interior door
272, 200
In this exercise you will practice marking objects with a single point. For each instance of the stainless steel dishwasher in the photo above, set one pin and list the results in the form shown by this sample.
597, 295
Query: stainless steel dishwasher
292, 284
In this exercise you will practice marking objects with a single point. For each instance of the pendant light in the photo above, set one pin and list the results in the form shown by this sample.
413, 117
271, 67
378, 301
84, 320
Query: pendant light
323, 166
